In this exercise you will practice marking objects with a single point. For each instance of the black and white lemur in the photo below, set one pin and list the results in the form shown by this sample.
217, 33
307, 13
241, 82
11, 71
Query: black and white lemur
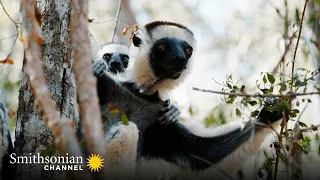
160, 57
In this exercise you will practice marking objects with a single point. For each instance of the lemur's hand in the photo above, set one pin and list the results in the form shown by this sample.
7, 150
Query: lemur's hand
168, 114
266, 116
99, 68
3, 115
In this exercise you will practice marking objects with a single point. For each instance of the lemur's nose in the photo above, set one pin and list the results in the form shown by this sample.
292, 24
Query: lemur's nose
115, 64
181, 60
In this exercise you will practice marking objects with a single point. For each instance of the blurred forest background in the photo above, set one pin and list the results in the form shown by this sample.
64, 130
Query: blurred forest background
242, 38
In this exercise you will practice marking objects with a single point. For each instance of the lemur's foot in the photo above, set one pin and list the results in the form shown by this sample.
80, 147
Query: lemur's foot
121, 145
120, 131
99, 68
271, 112
168, 114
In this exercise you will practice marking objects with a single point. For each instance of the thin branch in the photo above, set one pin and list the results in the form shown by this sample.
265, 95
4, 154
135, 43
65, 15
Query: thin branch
116, 20
63, 133
255, 95
300, 30
287, 48
90, 114
5, 11
8, 37
313, 128
17, 25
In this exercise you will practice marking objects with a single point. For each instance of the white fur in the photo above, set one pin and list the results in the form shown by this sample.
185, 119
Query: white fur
160, 169
114, 48
225, 169
122, 142
140, 71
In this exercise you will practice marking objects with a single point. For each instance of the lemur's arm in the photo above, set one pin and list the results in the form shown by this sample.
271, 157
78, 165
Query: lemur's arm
138, 110
205, 147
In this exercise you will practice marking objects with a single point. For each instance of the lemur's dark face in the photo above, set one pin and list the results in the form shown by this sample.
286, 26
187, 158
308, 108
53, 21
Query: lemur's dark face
117, 62
169, 57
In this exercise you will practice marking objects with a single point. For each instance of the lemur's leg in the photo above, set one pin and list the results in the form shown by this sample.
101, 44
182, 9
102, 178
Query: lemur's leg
122, 144
169, 113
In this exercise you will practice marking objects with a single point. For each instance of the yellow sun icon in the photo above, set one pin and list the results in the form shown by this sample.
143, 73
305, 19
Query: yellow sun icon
95, 162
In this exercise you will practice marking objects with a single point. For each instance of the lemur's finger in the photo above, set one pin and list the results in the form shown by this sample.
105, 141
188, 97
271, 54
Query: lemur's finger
172, 117
162, 111
166, 103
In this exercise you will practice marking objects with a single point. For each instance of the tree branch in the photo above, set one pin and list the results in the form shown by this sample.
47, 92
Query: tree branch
255, 95
116, 20
90, 114
300, 30
62, 131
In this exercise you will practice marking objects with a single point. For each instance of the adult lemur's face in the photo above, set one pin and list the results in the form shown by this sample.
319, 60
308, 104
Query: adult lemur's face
161, 51
169, 57
115, 56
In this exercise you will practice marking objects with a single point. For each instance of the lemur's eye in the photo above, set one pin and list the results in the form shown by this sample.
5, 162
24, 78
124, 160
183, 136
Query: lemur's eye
189, 51
162, 47
106, 57
125, 59
136, 41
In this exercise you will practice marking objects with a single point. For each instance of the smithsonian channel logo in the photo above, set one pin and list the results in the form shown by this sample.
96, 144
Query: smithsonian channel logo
60, 163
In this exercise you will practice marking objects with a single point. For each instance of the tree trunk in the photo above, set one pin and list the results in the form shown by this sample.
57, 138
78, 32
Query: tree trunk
32, 135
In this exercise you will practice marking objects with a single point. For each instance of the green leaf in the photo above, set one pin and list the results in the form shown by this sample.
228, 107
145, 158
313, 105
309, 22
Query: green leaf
297, 16
301, 69
295, 110
254, 113
271, 78
309, 101
317, 1
283, 87
115, 111
124, 119
302, 83
230, 100
190, 110
264, 79
210, 120
238, 112
242, 88
302, 124
229, 86
253, 103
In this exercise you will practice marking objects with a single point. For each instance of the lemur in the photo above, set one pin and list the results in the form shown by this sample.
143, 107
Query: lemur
159, 59
113, 60
6, 146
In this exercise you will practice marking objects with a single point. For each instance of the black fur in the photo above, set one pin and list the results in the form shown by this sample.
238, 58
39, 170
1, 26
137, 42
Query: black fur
171, 61
171, 141
174, 142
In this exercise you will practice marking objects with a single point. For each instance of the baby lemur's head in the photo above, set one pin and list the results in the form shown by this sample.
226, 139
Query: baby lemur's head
115, 56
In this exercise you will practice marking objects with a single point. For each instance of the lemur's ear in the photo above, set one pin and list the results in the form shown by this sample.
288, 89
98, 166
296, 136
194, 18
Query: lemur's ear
136, 40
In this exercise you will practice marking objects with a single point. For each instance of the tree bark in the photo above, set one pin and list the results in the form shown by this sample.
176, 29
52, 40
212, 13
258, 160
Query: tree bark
32, 134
